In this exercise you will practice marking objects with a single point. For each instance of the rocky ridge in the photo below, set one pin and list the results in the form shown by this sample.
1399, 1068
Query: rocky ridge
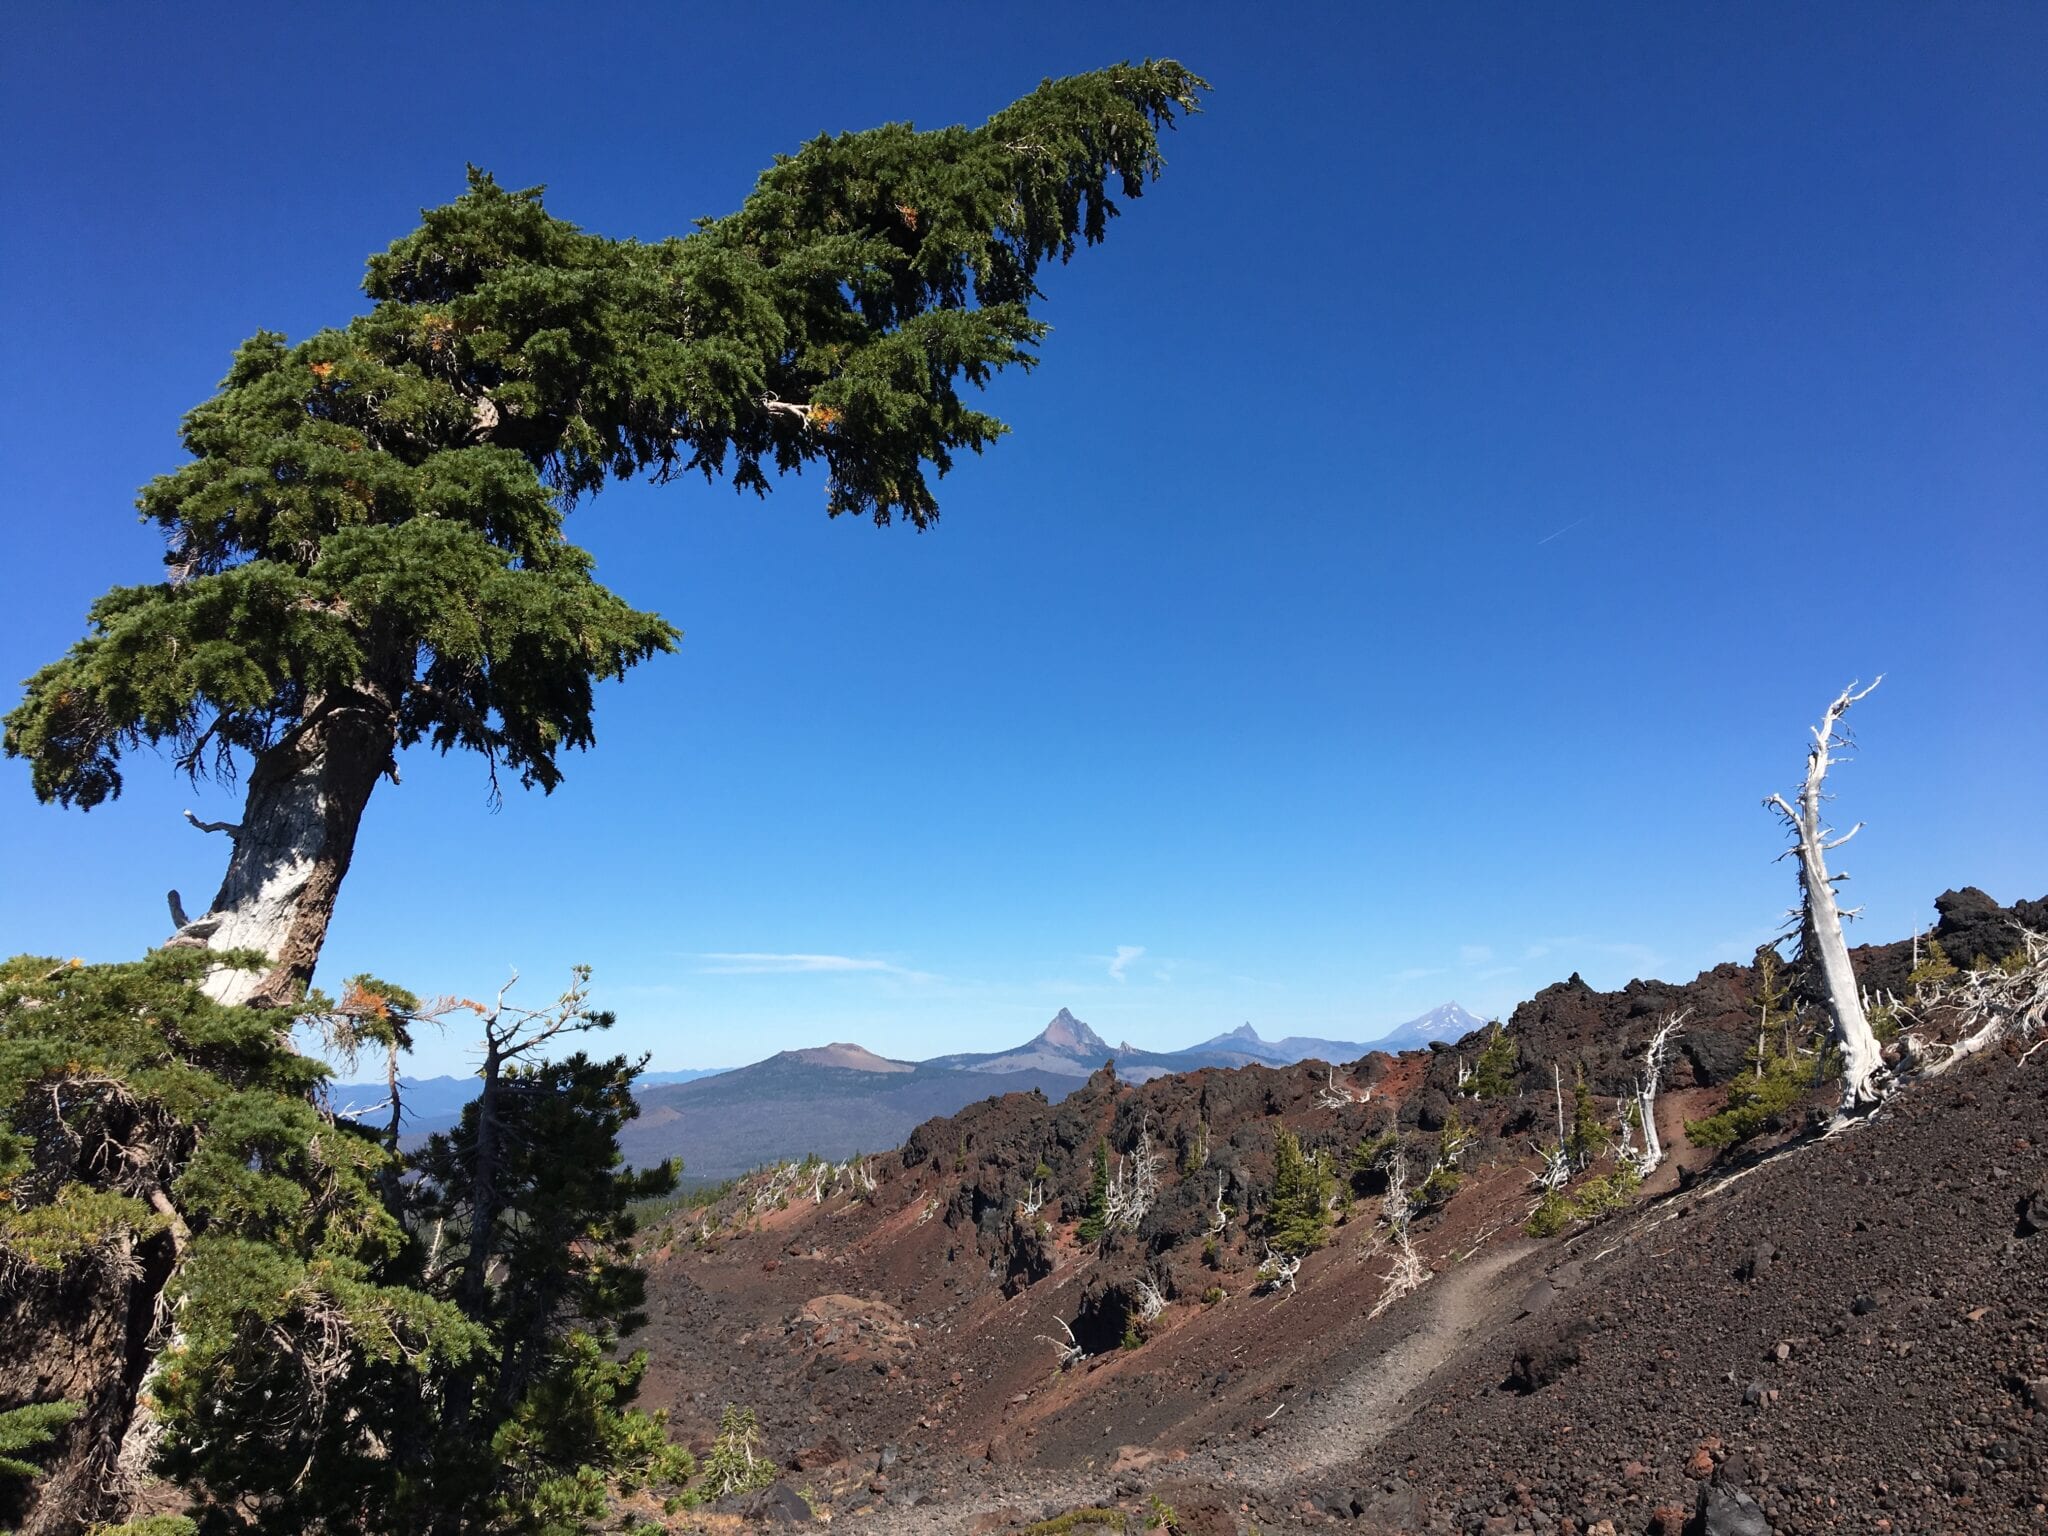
1842, 1333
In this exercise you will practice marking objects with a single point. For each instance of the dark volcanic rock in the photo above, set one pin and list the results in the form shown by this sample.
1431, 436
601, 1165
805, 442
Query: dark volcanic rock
1432, 1108
1756, 1264
1727, 1511
778, 1504
827, 1452
1536, 1365
2033, 1212
1973, 926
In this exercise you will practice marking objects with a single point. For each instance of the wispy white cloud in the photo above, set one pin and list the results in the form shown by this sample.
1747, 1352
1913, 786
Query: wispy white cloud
1474, 954
1418, 973
1125, 954
762, 963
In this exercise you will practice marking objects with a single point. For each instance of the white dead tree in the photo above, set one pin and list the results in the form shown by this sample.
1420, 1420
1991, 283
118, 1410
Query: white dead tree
1071, 1352
1219, 1214
1452, 1144
1133, 1187
1820, 919
1641, 1112
1277, 1270
1333, 1095
1991, 1006
1033, 1200
1408, 1272
1151, 1300
1556, 1171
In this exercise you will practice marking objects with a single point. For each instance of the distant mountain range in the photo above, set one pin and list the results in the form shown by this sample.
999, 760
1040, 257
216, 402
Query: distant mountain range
842, 1098
835, 1100
436, 1103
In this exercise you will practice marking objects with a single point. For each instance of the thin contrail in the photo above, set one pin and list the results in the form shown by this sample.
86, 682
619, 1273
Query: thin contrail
1567, 528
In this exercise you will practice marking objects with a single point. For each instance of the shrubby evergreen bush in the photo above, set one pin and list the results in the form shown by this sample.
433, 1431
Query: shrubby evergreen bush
358, 1338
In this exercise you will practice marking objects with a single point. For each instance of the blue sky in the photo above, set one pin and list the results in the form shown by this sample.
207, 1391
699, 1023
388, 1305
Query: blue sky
1444, 503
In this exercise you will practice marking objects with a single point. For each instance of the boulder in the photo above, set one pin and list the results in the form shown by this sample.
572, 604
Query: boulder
779, 1504
827, 1452
2033, 1212
1536, 1365
1725, 1510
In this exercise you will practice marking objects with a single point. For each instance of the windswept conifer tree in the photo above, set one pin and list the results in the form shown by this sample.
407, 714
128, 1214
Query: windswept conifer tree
366, 551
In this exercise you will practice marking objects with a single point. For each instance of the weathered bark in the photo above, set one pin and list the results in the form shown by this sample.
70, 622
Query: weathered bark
86, 1336
1655, 1055
485, 1209
1820, 919
293, 846
136, 1458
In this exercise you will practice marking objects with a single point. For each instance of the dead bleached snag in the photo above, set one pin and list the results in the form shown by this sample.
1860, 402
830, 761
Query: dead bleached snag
1071, 1352
1277, 1270
1641, 1112
1334, 1095
1864, 1075
1990, 1005
1133, 1187
1408, 1271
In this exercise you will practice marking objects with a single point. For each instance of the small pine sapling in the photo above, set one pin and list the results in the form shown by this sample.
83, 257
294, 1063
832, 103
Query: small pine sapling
1493, 1075
1094, 1223
1298, 1220
734, 1464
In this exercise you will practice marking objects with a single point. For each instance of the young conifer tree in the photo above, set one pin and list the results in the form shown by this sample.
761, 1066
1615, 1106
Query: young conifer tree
366, 551
1298, 1221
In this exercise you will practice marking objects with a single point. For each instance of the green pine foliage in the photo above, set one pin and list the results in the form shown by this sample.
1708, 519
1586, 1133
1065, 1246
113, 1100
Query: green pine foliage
735, 1464
1444, 1179
366, 551
1593, 1200
1610, 1194
318, 1278
1370, 1160
1589, 1135
1553, 1213
1435, 1192
1766, 1095
1493, 1075
1935, 968
26, 1430
187, 1136
1095, 1218
1298, 1220
375, 513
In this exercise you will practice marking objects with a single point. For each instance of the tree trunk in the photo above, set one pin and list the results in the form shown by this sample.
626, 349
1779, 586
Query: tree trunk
484, 1208
1862, 1056
293, 846
85, 1337
1821, 919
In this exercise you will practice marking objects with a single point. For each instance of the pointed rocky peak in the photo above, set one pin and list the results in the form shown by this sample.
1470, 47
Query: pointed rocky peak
1067, 1033
1445, 1022
1245, 1032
